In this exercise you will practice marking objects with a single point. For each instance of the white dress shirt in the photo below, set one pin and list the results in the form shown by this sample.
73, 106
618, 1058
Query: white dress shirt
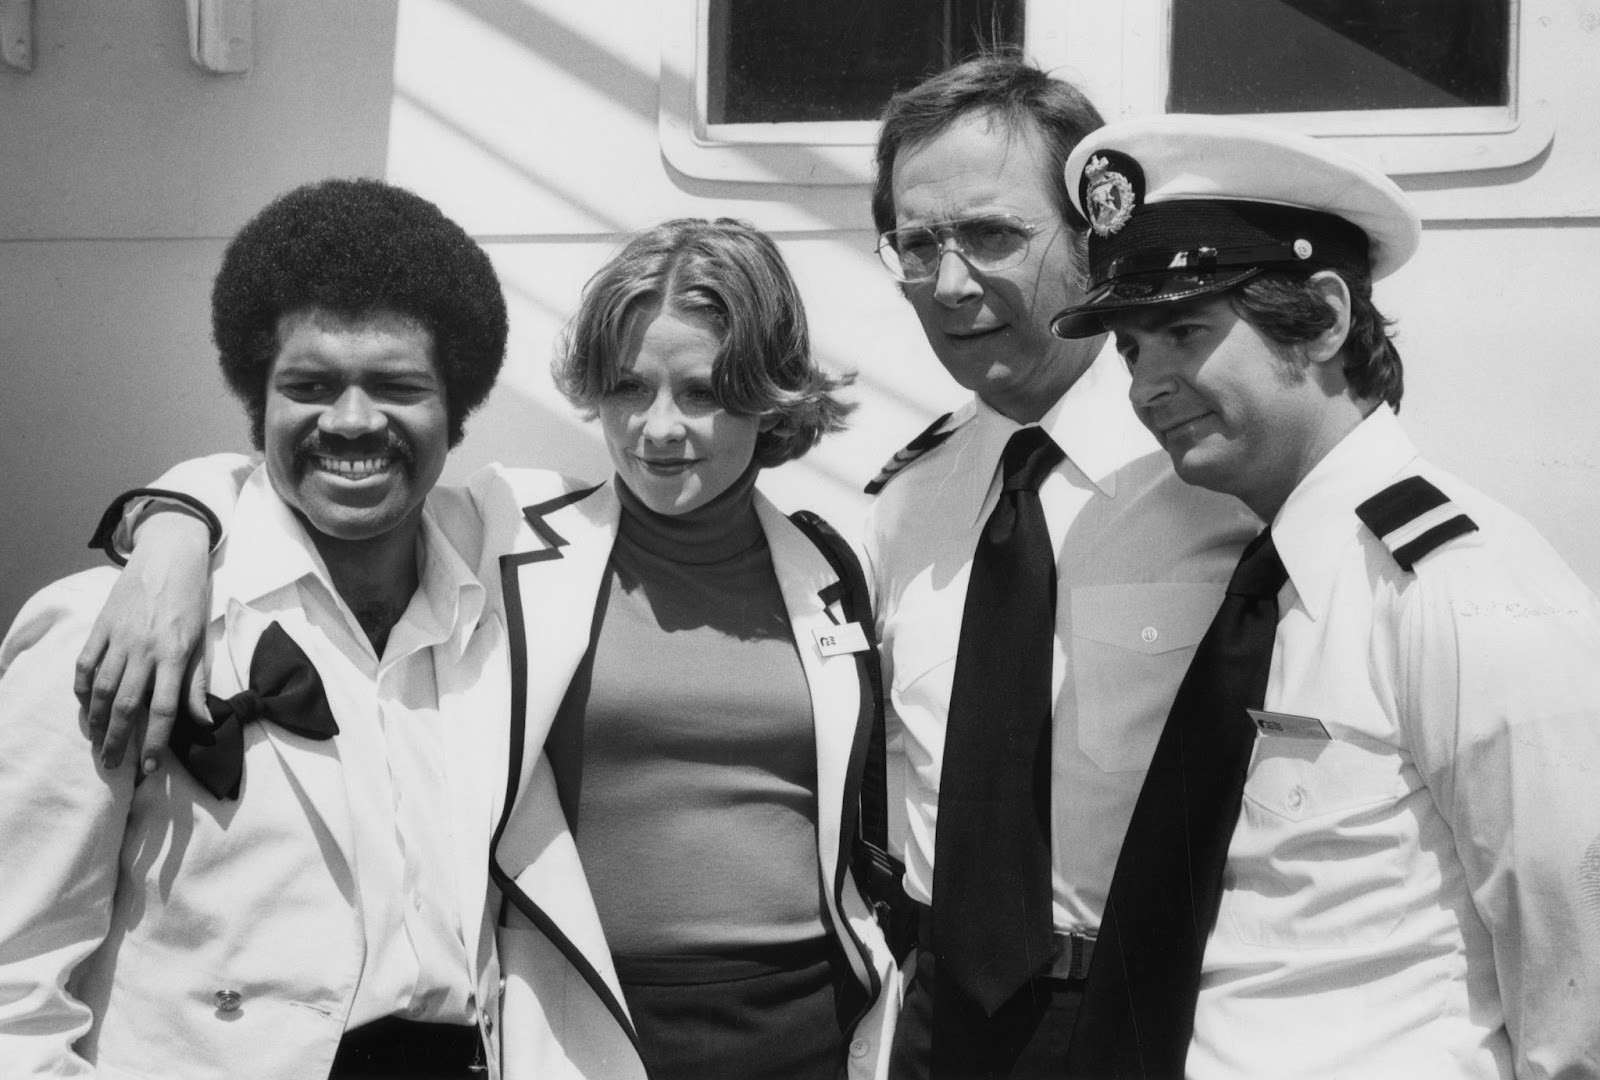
390, 745
1142, 560
1408, 897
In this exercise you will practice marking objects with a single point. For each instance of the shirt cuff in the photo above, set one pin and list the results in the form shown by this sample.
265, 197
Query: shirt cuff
114, 534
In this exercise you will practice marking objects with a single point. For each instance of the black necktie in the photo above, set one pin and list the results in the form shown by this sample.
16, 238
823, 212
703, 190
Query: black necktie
284, 688
991, 882
1138, 1009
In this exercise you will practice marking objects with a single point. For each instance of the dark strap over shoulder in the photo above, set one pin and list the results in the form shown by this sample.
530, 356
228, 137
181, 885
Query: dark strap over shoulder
1413, 518
930, 437
106, 530
877, 871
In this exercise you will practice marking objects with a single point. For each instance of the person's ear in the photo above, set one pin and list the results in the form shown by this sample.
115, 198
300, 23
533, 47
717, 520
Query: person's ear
1336, 294
768, 421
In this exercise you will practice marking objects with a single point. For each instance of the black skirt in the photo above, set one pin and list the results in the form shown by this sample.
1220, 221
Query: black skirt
768, 1014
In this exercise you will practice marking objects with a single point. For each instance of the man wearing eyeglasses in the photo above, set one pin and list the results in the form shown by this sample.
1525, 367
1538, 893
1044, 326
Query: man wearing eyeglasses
1042, 577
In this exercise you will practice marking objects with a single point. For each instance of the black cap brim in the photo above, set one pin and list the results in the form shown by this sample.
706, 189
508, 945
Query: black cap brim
1143, 290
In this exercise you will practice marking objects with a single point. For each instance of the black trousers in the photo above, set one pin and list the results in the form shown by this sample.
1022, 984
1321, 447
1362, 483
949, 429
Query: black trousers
398, 1049
944, 1036
768, 1014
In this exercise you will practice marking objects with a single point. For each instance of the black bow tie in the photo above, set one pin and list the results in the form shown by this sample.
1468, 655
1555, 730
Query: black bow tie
284, 688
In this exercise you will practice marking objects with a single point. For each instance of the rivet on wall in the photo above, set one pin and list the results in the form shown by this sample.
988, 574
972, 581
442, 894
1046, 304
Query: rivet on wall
16, 34
219, 35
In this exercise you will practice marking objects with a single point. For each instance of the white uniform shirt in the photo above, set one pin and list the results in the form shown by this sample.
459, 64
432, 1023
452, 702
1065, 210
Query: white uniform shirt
390, 745
1418, 896
1142, 560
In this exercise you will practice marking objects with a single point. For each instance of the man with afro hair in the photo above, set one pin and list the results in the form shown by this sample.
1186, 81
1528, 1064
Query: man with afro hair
353, 247
300, 889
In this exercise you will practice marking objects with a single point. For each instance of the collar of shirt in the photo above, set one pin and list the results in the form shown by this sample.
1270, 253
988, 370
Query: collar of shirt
269, 550
1092, 423
449, 599
1318, 519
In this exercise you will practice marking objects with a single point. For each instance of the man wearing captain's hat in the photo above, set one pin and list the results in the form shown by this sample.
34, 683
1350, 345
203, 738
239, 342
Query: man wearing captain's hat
1369, 843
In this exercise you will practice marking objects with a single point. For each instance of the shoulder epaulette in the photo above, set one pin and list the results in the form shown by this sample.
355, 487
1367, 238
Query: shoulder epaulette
1412, 518
930, 437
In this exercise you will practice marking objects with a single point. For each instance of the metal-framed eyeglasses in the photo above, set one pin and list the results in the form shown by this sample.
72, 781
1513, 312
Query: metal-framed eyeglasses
987, 242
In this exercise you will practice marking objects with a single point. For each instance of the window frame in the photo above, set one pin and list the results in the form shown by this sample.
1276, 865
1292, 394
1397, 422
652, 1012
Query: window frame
804, 152
1121, 55
1111, 54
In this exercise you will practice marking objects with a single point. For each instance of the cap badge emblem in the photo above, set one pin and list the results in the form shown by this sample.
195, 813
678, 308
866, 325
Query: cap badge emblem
1108, 196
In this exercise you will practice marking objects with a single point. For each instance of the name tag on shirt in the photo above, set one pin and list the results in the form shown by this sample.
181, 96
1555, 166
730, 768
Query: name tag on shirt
1295, 727
844, 638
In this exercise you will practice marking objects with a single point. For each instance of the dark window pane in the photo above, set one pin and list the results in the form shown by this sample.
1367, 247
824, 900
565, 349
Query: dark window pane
1254, 56
774, 61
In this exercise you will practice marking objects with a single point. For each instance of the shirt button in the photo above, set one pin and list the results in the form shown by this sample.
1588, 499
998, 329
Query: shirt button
228, 1000
858, 1048
1148, 635
1296, 797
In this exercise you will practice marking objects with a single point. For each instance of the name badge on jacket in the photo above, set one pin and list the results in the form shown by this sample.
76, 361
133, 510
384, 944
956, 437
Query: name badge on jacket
844, 638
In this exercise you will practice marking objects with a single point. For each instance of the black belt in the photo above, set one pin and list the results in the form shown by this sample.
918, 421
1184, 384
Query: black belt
1068, 963
410, 1050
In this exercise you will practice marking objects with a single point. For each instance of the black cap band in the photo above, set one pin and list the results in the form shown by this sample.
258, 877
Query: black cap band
1186, 248
1177, 234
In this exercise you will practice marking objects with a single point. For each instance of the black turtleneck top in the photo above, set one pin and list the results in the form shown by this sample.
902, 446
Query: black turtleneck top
685, 751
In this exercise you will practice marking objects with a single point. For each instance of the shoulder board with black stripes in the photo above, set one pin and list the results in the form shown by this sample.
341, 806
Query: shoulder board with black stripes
1412, 518
931, 436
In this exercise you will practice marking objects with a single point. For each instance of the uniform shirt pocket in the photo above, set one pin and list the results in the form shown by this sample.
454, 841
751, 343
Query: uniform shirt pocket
1298, 780
1319, 857
1131, 645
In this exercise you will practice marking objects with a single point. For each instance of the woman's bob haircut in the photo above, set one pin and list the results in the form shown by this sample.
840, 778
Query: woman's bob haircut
729, 276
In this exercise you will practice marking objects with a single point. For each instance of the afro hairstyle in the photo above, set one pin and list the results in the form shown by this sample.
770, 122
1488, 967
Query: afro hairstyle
355, 249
